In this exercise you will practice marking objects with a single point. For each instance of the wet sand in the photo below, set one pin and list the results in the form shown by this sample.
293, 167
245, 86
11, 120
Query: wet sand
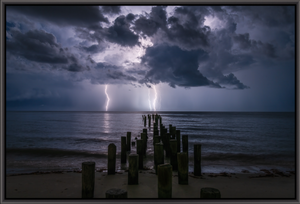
267, 184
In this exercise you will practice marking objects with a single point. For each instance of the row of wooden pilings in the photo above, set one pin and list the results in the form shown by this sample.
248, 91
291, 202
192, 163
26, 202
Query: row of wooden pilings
165, 144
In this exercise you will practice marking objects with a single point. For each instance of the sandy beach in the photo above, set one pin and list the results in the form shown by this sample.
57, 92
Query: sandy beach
268, 185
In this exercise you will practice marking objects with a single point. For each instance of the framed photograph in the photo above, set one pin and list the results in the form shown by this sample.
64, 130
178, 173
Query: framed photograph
150, 101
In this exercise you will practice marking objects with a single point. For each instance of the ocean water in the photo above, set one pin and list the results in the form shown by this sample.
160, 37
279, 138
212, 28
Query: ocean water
231, 141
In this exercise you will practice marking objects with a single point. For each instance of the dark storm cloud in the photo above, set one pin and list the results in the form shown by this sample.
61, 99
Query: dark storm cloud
37, 45
101, 65
76, 67
111, 9
186, 36
232, 80
82, 16
186, 29
255, 46
93, 48
147, 26
40, 46
120, 75
174, 66
120, 33
185, 53
271, 16
156, 19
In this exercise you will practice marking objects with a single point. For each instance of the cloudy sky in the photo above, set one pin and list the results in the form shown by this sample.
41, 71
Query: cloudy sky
163, 58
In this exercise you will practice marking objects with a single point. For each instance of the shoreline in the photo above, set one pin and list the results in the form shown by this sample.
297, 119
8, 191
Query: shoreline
273, 172
58, 184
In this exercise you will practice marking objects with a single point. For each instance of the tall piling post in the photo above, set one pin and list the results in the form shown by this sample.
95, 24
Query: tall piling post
123, 150
140, 151
149, 121
197, 159
145, 131
183, 168
111, 163
133, 169
155, 133
185, 144
144, 138
156, 139
167, 139
178, 140
128, 141
173, 156
88, 179
170, 128
173, 132
164, 177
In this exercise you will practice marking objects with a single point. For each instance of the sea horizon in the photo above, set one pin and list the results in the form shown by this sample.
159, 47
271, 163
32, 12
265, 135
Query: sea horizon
231, 141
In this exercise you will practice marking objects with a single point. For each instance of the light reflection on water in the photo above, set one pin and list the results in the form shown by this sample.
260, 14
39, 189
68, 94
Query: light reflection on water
106, 123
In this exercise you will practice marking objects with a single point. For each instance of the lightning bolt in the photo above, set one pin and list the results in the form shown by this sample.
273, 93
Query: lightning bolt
107, 97
149, 99
154, 101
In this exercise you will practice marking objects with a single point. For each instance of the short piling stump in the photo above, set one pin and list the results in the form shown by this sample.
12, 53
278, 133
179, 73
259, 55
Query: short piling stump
88, 179
164, 177
183, 168
111, 163
140, 151
210, 193
133, 169
197, 159
116, 193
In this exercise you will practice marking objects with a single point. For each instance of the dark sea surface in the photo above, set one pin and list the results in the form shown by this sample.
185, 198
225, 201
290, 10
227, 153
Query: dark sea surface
231, 141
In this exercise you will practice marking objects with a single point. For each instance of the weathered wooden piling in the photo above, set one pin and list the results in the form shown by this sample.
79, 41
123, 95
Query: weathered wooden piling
173, 156
183, 168
158, 155
145, 121
133, 143
173, 132
88, 179
128, 142
197, 159
133, 169
123, 150
116, 193
140, 151
164, 176
149, 121
145, 131
210, 193
144, 138
178, 140
155, 133
164, 138
167, 139
156, 139
185, 144
111, 163
170, 128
